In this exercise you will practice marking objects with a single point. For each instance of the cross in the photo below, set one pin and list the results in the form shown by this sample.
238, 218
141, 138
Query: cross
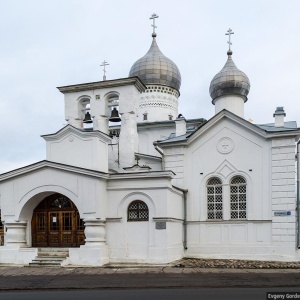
137, 159
153, 17
104, 71
230, 32
225, 146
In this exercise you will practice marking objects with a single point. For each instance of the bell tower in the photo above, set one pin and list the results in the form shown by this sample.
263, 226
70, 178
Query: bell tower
98, 103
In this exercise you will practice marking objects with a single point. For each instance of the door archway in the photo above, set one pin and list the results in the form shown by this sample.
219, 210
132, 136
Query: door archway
56, 223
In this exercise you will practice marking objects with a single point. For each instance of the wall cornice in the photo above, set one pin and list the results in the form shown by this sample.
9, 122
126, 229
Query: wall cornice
103, 84
52, 165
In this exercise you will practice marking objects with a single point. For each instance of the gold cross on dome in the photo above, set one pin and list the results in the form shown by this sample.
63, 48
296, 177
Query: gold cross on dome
229, 33
153, 17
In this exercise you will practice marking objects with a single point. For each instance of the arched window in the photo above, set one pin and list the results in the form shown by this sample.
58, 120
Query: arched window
214, 199
138, 211
85, 111
238, 205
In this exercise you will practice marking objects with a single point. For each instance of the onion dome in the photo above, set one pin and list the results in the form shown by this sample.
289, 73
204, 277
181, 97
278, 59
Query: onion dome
229, 81
155, 68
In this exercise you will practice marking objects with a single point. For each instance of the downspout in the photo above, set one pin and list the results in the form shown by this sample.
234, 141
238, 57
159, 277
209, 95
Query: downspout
162, 155
184, 199
298, 193
184, 220
184, 216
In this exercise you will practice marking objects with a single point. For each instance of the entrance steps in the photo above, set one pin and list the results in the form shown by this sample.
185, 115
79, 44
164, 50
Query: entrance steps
50, 257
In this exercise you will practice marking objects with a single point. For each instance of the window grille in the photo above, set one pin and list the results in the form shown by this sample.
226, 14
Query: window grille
214, 199
138, 211
238, 204
61, 202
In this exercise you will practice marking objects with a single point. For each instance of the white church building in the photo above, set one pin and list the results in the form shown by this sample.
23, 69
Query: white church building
130, 180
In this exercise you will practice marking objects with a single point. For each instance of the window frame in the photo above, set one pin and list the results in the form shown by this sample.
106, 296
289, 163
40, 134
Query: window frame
211, 200
138, 210
241, 198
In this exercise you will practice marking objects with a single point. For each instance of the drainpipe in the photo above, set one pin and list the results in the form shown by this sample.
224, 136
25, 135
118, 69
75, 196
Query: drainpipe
298, 193
184, 216
162, 155
184, 220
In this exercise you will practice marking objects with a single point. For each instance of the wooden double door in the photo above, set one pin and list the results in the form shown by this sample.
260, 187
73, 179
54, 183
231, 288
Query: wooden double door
56, 223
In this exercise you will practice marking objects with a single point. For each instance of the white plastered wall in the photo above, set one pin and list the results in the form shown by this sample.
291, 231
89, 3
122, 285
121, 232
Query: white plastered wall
99, 110
159, 103
21, 194
146, 137
141, 241
224, 151
77, 148
284, 195
232, 103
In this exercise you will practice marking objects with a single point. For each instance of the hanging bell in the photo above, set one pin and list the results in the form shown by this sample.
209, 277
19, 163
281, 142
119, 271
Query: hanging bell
114, 116
87, 118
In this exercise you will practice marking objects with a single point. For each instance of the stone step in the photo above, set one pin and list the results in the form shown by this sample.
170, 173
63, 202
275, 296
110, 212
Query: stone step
53, 254
50, 257
53, 249
45, 264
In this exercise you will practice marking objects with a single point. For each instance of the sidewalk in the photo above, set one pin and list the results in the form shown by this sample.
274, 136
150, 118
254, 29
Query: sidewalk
6, 271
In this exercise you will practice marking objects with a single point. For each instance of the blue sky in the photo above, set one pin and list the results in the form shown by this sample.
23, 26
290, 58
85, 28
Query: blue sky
45, 44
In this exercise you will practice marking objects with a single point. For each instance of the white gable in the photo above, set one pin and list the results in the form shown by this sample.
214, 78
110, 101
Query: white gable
78, 148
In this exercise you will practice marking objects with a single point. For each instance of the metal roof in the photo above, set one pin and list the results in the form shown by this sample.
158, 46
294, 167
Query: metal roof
156, 68
229, 81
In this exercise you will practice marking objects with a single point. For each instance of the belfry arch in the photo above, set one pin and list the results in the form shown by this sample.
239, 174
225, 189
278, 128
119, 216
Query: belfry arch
56, 223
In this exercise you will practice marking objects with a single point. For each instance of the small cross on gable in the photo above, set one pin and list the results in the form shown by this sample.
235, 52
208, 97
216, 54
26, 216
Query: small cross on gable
137, 160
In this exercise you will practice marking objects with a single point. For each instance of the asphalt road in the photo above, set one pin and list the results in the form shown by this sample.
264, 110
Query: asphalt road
145, 294
144, 283
97, 278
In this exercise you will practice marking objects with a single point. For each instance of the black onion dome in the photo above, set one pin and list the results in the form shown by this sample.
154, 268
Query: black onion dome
155, 68
229, 81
